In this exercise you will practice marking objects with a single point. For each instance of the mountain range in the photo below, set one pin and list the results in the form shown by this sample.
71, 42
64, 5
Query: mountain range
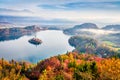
112, 27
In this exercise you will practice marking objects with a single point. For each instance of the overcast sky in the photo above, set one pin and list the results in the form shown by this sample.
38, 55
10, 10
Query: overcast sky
78, 11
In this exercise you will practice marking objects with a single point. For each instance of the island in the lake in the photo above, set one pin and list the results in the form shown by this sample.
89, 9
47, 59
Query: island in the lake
35, 41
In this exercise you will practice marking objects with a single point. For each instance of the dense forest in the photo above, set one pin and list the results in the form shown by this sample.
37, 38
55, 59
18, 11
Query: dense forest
89, 45
69, 66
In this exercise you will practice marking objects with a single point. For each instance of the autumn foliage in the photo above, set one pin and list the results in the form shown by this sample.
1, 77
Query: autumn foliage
69, 66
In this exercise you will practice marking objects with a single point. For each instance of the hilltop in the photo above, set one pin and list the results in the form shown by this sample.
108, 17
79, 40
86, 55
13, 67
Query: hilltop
77, 28
17, 32
112, 27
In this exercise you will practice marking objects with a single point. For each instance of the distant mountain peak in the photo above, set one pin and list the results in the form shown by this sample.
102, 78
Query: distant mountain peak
87, 25
77, 28
112, 27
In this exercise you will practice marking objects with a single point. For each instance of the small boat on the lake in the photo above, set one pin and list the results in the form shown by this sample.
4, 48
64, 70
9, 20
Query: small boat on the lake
35, 41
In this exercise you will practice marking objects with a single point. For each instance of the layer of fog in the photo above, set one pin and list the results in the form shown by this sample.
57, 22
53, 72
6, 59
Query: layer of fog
100, 31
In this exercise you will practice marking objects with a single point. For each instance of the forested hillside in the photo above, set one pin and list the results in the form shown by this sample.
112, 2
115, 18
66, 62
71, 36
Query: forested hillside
69, 66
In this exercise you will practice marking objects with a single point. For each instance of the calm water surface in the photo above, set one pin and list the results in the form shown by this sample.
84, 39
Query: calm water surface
54, 43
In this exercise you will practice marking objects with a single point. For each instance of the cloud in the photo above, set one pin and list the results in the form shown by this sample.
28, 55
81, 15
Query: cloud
79, 11
99, 31
53, 1
52, 7
32, 20
82, 5
13, 10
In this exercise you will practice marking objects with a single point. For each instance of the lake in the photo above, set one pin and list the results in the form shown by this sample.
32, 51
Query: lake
54, 42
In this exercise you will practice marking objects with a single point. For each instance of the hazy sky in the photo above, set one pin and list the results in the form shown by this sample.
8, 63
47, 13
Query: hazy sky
76, 11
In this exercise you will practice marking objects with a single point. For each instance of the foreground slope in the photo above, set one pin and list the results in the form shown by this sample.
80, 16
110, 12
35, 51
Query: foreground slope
69, 66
